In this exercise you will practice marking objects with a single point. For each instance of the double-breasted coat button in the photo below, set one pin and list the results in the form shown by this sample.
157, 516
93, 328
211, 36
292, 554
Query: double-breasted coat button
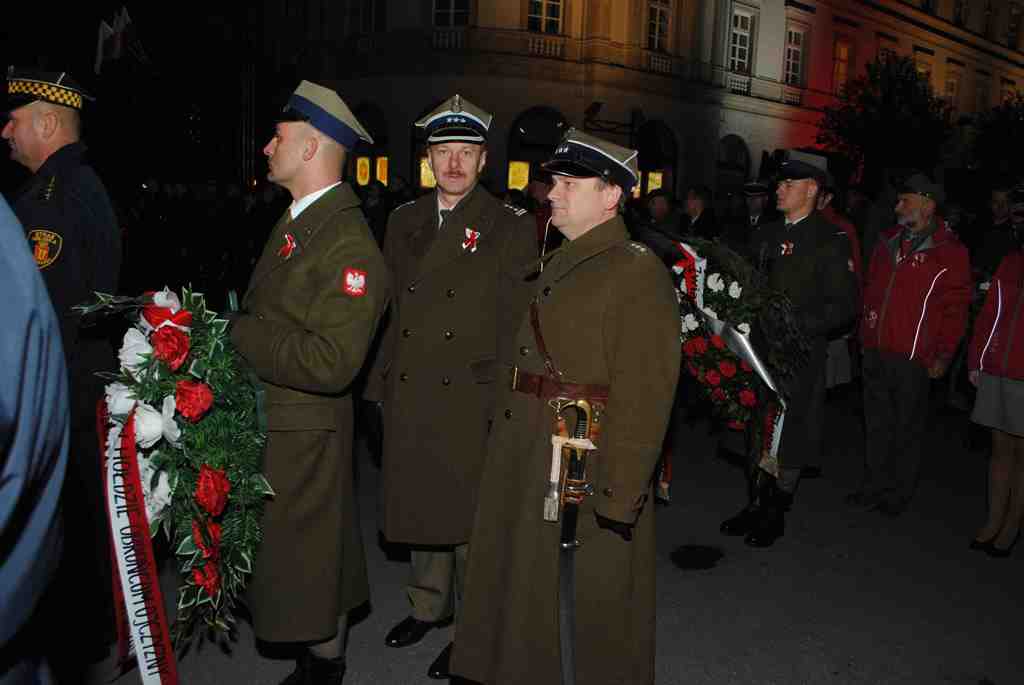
451, 292
607, 492
406, 333
547, 290
449, 334
412, 288
403, 376
508, 413
524, 350
446, 381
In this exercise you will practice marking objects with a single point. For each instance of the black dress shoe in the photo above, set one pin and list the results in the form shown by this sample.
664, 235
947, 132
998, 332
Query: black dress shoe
439, 670
409, 631
770, 527
743, 522
311, 669
999, 552
980, 545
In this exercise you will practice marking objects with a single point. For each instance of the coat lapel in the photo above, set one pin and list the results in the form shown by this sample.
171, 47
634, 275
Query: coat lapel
303, 230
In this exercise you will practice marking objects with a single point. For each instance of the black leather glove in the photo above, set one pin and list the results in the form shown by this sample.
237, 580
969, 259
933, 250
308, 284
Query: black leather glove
623, 530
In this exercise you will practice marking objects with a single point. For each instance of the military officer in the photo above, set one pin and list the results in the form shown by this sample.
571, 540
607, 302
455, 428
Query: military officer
807, 259
454, 253
602, 325
72, 231
312, 307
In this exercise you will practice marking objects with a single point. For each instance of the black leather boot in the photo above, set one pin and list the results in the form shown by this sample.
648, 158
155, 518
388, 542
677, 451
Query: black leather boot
771, 525
311, 669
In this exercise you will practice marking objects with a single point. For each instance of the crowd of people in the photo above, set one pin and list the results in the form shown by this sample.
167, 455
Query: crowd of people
482, 333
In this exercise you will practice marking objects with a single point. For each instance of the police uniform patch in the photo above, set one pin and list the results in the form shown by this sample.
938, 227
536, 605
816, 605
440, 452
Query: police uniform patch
46, 246
353, 282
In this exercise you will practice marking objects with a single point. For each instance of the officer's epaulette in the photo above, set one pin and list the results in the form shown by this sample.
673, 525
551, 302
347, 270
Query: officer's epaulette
636, 247
404, 204
518, 211
47, 189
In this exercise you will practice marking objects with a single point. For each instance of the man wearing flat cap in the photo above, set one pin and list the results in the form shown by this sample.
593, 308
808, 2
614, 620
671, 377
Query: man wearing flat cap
916, 296
602, 328
807, 259
311, 310
454, 253
72, 232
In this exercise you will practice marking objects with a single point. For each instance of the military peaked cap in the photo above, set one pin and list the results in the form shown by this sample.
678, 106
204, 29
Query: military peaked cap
586, 156
31, 85
456, 120
324, 109
801, 165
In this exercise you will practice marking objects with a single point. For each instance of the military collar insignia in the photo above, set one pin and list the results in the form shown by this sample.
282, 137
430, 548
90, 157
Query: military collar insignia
289, 246
45, 246
470, 243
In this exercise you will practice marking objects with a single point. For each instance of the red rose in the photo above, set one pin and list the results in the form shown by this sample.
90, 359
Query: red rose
688, 348
718, 395
713, 378
717, 341
748, 398
727, 368
207, 578
171, 345
745, 366
155, 315
211, 551
736, 425
192, 399
212, 488
700, 345
692, 368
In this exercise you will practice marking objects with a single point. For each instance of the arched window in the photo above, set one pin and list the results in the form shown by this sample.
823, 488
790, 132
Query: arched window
733, 171
535, 134
658, 159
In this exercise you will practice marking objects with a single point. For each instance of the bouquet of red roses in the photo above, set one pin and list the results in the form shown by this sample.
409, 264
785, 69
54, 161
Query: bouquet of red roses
182, 454
723, 304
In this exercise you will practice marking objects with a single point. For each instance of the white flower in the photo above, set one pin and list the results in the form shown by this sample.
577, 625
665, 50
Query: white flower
135, 346
744, 328
735, 290
149, 425
716, 283
167, 298
711, 313
170, 427
120, 400
157, 498
690, 322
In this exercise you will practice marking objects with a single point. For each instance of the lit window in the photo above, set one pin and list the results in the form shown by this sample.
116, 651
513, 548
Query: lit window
741, 42
794, 69
382, 170
448, 13
654, 180
952, 89
363, 171
657, 25
518, 175
924, 69
1009, 90
841, 54
545, 16
427, 179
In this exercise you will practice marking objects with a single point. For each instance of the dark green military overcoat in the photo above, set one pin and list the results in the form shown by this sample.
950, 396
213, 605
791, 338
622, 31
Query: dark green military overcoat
312, 312
609, 316
436, 368
810, 262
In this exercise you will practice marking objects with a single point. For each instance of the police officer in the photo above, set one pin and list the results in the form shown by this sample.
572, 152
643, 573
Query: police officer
312, 308
603, 325
72, 231
454, 253
805, 258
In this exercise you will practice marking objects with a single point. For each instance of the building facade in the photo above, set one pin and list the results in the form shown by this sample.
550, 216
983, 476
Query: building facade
701, 87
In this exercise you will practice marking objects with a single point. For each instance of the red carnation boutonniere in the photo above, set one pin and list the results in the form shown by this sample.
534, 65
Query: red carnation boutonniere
470, 243
288, 247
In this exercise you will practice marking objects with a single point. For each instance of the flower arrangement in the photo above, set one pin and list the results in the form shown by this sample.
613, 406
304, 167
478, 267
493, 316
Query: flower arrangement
185, 396
739, 337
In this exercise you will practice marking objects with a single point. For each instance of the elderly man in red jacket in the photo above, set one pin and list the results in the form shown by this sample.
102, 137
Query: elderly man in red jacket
915, 311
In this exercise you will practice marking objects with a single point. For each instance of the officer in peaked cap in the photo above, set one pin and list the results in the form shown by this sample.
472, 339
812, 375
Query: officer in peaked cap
804, 257
72, 231
603, 325
456, 254
311, 310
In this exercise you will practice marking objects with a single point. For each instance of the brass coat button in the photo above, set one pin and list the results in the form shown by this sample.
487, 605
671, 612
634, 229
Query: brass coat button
412, 288
451, 292
508, 413
406, 333
446, 381
403, 377
547, 290
524, 350
449, 334
607, 492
